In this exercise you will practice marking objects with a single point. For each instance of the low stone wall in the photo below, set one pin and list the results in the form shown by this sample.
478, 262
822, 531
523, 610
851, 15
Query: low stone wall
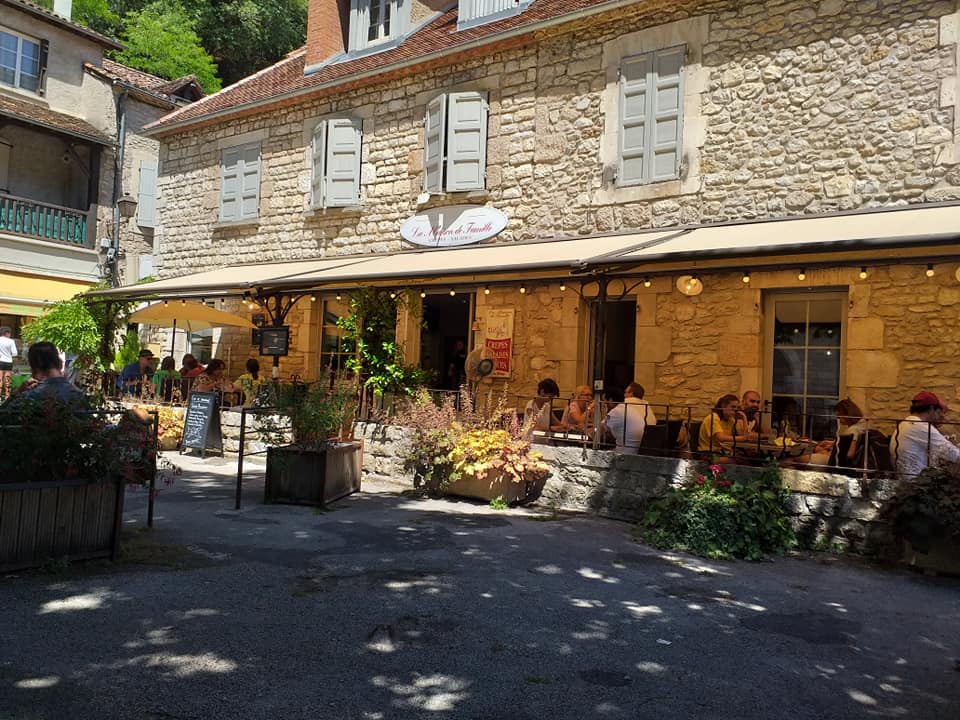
827, 509
258, 429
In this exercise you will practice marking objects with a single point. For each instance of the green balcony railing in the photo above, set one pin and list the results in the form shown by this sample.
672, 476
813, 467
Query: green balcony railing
44, 221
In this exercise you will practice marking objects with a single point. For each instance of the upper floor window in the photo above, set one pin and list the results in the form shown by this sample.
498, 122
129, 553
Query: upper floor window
335, 163
377, 22
240, 183
455, 147
471, 13
21, 61
651, 116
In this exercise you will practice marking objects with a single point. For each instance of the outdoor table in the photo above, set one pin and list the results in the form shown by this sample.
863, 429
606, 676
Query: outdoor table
560, 437
770, 448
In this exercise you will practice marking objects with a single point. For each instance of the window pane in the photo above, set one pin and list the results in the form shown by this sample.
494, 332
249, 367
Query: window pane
823, 369
825, 318
788, 372
789, 323
820, 421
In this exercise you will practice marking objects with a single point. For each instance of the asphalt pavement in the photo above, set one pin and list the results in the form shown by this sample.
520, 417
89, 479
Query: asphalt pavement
393, 606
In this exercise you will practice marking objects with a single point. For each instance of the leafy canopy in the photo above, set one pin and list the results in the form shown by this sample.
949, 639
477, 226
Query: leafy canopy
70, 326
161, 40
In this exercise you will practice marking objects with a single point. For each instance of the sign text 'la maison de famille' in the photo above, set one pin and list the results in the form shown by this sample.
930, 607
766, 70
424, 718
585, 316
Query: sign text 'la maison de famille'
453, 225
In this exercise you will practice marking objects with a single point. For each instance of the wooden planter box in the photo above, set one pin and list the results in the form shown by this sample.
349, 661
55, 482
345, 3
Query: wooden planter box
494, 486
313, 477
70, 520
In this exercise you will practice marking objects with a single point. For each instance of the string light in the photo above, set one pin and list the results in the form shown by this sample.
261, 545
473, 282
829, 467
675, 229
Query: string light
338, 296
930, 272
423, 294
746, 277
647, 282
166, 303
453, 292
563, 286
393, 294
802, 275
313, 298
222, 301
486, 290
182, 301
523, 289
863, 273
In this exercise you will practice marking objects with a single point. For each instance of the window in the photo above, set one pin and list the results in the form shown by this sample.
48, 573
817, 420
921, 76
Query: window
455, 143
335, 166
804, 355
240, 183
651, 116
334, 353
147, 196
22, 61
477, 12
377, 23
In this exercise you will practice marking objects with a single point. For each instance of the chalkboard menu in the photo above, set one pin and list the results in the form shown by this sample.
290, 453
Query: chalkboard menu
201, 425
274, 340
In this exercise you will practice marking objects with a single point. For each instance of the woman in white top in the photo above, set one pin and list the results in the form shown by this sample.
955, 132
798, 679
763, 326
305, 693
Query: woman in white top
8, 351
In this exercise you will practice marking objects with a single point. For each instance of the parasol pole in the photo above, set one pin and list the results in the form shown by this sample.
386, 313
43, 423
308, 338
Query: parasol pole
173, 336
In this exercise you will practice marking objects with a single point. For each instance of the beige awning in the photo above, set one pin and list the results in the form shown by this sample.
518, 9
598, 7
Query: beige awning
856, 236
927, 225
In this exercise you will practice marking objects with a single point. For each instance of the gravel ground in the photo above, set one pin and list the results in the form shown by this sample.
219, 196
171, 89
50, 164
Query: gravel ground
390, 606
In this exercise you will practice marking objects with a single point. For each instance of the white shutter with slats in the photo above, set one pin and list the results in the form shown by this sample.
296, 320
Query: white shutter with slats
434, 127
230, 168
666, 118
343, 162
318, 154
466, 141
250, 182
634, 108
147, 196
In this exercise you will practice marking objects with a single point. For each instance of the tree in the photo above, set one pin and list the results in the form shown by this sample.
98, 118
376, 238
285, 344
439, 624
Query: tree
244, 36
70, 326
161, 39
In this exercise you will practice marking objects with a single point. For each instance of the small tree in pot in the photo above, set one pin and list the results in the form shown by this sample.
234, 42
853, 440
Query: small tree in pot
323, 463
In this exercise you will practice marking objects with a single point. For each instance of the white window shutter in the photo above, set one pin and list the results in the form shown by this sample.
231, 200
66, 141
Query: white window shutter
359, 24
466, 141
666, 119
230, 169
635, 107
434, 127
147, 197
250, 182
343, 162
318, 153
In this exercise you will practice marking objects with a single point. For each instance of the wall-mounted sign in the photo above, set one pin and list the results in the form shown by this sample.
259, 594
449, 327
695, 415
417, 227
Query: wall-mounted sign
453, 225
274, 340
499, 341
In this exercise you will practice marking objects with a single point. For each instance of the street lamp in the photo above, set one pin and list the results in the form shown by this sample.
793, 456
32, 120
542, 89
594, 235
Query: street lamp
127, 205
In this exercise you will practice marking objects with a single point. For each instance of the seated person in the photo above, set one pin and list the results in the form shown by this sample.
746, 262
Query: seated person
918, 442
539, 408
213, 379
47, 380
722, 426
578, 416
750, 413
841, 451
628, 421
132, 375
166, 378
249, 383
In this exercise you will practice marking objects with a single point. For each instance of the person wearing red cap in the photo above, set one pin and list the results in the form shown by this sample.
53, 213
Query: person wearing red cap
918, 443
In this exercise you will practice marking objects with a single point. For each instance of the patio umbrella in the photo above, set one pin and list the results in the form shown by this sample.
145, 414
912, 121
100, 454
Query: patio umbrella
187, 315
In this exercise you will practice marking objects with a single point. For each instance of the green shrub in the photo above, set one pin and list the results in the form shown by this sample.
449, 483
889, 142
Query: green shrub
926, 508
718, 517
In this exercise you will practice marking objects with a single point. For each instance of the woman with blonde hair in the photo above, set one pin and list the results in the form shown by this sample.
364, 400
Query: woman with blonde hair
578, 415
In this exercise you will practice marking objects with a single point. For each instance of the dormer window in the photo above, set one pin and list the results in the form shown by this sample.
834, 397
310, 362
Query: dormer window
471, 13
377, 24
21, 61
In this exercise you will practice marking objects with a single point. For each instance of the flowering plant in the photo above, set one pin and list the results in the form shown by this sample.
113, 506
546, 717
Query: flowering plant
716, 516
478, 453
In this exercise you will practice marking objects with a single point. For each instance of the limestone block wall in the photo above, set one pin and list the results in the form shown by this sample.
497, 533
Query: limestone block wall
826, 509
798, 108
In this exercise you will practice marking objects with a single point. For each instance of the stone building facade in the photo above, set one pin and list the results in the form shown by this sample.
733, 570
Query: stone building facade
789, 109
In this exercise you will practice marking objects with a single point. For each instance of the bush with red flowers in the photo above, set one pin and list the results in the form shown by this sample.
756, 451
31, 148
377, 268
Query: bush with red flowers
718, 517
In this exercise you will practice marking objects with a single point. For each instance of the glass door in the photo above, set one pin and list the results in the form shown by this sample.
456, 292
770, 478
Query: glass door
804, 338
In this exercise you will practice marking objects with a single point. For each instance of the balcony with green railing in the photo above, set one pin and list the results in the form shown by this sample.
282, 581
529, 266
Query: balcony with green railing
44, 221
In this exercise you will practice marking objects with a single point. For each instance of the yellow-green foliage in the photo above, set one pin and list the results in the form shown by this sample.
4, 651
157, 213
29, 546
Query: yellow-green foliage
480, 452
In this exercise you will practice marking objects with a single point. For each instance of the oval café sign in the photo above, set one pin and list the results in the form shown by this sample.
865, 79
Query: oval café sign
453, 225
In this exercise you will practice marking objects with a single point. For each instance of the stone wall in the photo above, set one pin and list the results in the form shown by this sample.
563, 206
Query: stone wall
826, 509
790, 109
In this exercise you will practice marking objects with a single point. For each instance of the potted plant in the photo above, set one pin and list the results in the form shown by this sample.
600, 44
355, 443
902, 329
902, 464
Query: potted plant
323, 463
924, 517
471, 453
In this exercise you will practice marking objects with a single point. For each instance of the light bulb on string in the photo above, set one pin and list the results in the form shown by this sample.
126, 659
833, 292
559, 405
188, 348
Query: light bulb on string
930, 272
563, 286
486, 290
453, 292
423, 294
523, 289
863, 273
746, 277
166, 303
393, 294
338, 296
647, 282
802, 275
313, 298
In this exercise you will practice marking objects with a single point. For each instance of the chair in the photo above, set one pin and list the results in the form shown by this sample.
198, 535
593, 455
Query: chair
875, 448
654, 437
693, 431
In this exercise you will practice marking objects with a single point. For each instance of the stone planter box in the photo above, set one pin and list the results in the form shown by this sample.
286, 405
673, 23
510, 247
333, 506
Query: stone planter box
313, 477
59, 520
493, 486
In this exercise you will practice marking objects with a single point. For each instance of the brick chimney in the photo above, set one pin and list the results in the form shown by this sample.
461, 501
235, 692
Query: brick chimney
328, 25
